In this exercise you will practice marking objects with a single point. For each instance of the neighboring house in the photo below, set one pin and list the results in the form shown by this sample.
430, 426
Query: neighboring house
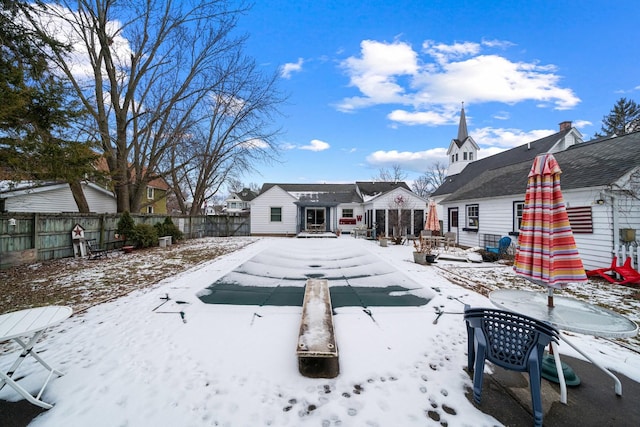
600, 182
53, 197
240, 202
156, 199
288, 209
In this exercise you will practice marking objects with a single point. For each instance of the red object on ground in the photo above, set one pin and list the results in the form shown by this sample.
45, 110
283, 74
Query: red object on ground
629, 274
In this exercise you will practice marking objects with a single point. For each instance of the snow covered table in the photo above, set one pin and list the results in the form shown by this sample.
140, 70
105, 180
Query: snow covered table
32, 323
317, 350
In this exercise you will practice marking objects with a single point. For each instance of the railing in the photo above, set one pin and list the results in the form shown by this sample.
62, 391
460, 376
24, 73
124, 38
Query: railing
629, 250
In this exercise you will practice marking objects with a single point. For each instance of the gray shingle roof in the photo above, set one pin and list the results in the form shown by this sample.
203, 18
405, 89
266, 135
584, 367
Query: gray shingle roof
523, 153
589, 164
339, 193
371, 188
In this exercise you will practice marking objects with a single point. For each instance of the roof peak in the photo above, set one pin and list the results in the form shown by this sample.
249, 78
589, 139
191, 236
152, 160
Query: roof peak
462, 126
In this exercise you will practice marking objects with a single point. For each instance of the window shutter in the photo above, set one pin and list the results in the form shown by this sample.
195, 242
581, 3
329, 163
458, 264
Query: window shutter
580, 219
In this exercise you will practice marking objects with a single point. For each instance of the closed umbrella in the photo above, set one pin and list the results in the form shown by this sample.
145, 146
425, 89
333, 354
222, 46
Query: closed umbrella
433, 223
547, 254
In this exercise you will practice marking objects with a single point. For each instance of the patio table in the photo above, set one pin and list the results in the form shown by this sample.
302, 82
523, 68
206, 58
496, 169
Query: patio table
568, 314
31, 323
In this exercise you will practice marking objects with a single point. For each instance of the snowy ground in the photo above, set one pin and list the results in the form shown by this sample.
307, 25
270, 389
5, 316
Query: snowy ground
129, 362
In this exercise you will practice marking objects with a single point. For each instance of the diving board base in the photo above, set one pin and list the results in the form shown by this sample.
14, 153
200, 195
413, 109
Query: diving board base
317, 350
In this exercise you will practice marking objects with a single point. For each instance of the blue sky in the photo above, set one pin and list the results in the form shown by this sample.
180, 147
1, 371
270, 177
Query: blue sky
377, 83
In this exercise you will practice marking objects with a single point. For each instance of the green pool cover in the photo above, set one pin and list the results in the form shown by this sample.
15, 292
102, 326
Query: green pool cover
341, 296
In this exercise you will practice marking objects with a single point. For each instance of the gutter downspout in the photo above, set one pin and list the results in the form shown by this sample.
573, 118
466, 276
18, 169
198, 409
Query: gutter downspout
616, 235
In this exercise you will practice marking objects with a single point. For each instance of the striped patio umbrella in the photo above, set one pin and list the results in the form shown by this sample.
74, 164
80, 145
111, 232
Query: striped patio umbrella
547, 254
433, 223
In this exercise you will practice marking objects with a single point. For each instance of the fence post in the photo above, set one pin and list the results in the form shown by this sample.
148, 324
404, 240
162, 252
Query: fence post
36, 235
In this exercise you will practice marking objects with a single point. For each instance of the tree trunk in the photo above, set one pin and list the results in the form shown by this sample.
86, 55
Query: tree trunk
78, 196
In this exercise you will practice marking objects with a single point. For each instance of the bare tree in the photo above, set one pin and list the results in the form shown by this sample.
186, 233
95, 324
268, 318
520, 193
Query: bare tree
429, 182
396, 174
152, 66
229, 134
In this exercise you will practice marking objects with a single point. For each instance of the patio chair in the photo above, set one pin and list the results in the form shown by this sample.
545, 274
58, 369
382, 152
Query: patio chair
503, 246
511, 341
450, 239
628, 274
94, 251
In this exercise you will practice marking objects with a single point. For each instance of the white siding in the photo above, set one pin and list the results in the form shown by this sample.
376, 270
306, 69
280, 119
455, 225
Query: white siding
58, 198
596, 249
261, 213
387, 202
358, 210
495, 216
100, 201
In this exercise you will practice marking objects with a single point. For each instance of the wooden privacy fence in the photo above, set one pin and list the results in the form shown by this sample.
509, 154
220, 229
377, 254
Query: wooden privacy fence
32, 237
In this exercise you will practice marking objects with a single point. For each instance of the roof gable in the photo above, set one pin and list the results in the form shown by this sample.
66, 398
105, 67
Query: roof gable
336, 193
595, 163
370, 189
522, 153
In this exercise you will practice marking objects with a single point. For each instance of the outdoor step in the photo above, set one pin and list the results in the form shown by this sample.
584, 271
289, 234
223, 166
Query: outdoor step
317, 350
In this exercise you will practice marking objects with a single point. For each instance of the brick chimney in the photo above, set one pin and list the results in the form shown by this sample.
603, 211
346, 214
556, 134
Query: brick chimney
565, 126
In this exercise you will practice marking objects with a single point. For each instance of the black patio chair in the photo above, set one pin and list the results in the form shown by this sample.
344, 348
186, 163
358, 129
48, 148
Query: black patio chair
511, 341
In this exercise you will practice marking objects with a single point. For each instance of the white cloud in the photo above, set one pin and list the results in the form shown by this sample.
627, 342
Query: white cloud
443, 75
315, 145
291, 67
418, 161
492, 141
375, 73
579, 124
431, 118
500, 138
56, 21
502, 115
287, 146
255, 143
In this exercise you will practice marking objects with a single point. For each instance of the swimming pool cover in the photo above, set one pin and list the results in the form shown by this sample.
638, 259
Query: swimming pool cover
341, 296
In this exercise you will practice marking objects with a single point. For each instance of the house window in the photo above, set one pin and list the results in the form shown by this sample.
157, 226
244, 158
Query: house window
150, 193
456, 157
347, 213
473, 218
470, 156
581, 219
150, 209
276, 214
453, 158
518, 208
464, 156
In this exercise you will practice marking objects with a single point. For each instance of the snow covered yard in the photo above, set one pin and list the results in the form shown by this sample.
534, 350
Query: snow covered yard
134, 361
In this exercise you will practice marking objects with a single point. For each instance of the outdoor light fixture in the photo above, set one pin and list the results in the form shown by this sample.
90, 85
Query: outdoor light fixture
12, 222
600, 201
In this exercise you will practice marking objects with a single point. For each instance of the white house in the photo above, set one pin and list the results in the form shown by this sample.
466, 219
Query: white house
288, 209
53, 197
240, 202
600, 182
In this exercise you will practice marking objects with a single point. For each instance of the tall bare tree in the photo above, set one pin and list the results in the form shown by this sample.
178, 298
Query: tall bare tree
395, 174
229, 134
429, 181
149, 65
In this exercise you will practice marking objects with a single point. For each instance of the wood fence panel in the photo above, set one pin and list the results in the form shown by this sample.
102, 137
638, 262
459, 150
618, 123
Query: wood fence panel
44, 236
